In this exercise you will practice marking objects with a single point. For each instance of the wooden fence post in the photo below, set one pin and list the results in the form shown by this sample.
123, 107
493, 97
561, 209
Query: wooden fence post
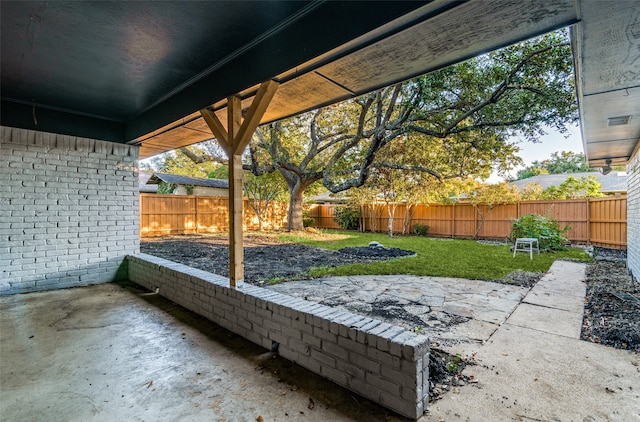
453, 221
588, 221
195, 198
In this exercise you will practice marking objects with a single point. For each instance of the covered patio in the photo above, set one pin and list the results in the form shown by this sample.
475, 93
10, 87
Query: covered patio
90, 87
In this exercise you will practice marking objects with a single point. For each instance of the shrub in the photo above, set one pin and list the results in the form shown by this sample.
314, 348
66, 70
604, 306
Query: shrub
307, 220
421, 229
348, 217
546, 229
166, 188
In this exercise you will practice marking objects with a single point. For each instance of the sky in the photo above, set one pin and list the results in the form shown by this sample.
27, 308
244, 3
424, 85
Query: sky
552, 142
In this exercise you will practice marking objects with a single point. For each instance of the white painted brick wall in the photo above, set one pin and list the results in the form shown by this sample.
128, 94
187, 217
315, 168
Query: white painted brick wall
633, 214
377, 360
68, 210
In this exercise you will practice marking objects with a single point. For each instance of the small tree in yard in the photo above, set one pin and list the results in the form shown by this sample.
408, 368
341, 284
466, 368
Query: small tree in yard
485, 198
262, 191
365, 198
572, 188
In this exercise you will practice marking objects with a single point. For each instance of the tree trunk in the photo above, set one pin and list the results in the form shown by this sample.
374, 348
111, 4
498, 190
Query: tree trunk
391, 210
296, 197
483, 217
408, 215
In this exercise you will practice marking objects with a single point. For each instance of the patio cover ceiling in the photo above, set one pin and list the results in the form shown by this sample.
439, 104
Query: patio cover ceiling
138, 72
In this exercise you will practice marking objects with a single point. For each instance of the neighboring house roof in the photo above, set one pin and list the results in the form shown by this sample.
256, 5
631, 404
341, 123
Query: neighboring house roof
156, 178
616, 181
143, 178
328, 197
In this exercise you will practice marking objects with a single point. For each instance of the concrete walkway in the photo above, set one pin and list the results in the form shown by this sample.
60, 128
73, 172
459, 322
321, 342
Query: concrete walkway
535, 368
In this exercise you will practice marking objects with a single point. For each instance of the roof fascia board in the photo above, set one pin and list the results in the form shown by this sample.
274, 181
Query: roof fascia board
41, 119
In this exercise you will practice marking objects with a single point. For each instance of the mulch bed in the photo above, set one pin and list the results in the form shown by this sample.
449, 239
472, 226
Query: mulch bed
612, 308
265, 257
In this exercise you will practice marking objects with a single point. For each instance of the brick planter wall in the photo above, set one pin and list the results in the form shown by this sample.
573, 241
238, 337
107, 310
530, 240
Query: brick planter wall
68, 210
382, 362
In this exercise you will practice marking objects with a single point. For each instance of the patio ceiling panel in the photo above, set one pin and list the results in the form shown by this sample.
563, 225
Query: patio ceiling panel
607, 55
134, 72
449, 32
121, 70
455, 35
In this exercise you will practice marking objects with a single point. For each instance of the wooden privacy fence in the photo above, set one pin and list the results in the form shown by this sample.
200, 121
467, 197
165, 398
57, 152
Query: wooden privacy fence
597, 221
178, 214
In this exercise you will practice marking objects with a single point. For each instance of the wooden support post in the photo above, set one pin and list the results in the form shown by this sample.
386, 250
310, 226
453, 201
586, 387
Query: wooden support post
236, 243
234, 139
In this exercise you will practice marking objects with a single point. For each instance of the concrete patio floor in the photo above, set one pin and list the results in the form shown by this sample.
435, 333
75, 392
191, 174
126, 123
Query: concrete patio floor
108, 353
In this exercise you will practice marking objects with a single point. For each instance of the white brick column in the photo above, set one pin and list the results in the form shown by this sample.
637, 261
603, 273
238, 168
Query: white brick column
633, 213
68, 210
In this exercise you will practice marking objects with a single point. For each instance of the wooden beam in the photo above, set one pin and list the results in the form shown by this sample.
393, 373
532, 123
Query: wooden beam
236, 243
234, 139
254, 115
218, 130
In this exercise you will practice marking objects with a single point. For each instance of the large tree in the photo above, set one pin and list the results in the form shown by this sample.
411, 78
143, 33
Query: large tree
458, 121
560, 162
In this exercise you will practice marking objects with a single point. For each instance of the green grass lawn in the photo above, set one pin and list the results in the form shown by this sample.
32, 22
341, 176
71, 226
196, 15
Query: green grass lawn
435, 257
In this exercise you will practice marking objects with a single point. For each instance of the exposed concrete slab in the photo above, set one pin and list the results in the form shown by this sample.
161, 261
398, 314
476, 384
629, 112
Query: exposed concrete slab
534, 367
556, 321
104, 353
529, 375
425, 302
555, 299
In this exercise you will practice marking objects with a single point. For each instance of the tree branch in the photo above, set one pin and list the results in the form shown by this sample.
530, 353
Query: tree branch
199, 159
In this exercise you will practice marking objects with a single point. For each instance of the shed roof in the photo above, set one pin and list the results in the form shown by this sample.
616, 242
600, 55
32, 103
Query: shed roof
185, 180
616, 181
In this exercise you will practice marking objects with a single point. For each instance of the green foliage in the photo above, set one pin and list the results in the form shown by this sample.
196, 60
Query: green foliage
454, 364
189, 189
530, 172
455, 122
560, 162
166, 188
473, 260
220, 172
421, 229
485, 198
307, 220
546, 229
572, 188
347, 216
